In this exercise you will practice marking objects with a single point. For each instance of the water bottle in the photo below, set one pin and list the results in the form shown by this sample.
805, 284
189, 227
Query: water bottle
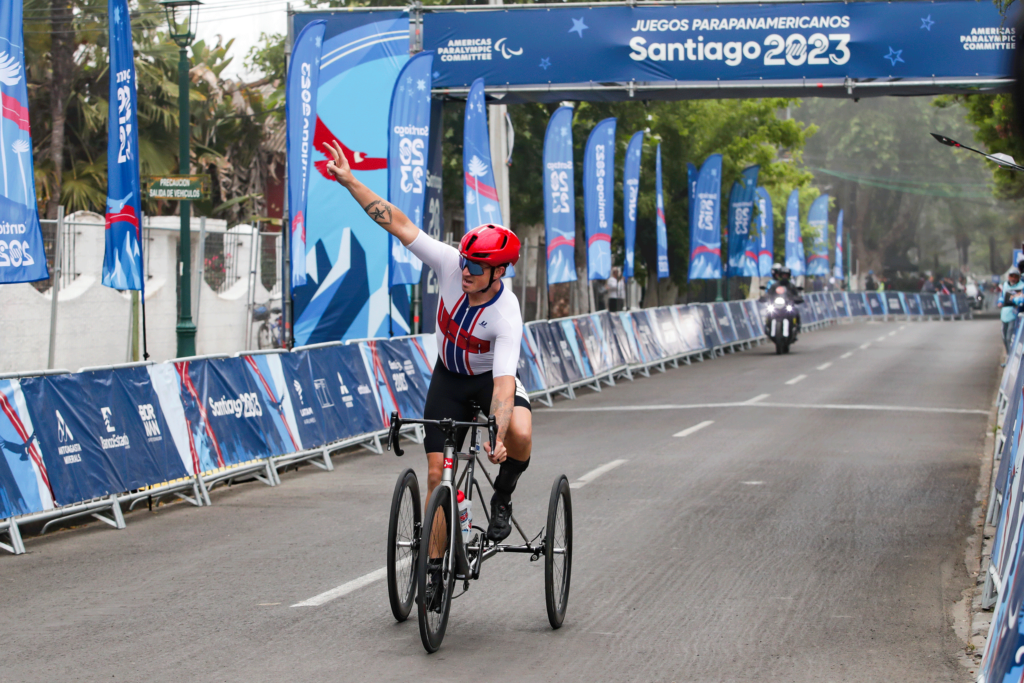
465, 515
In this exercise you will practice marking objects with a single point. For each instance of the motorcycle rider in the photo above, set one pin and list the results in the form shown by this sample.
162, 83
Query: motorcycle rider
785, 279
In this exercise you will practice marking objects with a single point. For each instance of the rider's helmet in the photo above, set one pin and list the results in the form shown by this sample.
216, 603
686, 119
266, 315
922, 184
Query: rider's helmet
785, 272
1013, 271
492, 244
776, 267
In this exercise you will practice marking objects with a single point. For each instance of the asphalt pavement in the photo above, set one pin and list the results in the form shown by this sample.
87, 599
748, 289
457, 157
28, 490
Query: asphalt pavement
776, 518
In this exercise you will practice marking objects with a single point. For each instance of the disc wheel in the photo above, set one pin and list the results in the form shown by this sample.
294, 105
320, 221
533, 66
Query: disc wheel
558, 551
437, 572
403, 544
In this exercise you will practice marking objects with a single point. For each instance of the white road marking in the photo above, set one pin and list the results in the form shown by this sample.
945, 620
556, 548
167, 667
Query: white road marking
694, 428
745, 404
893, 332
594, 474
798, 378
345, 588
903, 327
865, 345
759, 397
752, 483
847, 354
882, 338
825, 366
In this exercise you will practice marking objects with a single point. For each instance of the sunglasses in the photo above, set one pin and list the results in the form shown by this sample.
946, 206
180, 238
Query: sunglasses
474, 267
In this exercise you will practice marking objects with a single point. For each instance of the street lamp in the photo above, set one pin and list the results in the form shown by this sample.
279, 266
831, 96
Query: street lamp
182, 16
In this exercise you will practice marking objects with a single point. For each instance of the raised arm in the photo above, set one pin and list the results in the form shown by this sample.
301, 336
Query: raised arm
383, 213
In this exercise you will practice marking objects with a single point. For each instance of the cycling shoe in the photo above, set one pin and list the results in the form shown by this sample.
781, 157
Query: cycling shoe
435, 586
501, 515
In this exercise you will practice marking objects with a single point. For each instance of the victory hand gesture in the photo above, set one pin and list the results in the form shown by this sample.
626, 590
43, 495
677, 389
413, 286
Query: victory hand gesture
338, 165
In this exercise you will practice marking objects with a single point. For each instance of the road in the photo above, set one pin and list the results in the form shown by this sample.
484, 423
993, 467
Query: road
813, 530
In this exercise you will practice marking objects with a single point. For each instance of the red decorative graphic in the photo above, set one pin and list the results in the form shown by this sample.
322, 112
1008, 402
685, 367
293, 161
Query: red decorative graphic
357, 160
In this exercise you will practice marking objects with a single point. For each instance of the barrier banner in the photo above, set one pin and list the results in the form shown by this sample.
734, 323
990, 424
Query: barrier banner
806, 312
1011, 426
298, 373
929, 305
855, 301
302, 82
408, 136
661, 230
830, 308
707, 321
622, 324
946, 305
739, 321
589, 345
346, 290
765, 233
646, 338
402, 373
560, 198
599, 198
579, 356
742, 250
549, 354
794, 240
815, 41
894, 303
726, 329
817, 218
570, 365
754, 317
837, 269
956, 306
911, 304
963, 307
434, 223
667, 332
839, 303
706, 225
268, 373
122, 256
22, 256
691, 328
529, 366
604, 326
480, 198
631, 195
876, 305
24, 480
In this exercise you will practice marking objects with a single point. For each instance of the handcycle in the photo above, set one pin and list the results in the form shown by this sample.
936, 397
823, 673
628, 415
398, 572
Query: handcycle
409, 566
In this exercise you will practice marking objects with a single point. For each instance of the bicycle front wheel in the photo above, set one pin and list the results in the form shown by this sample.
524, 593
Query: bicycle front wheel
558, 551
403, 544
436, 574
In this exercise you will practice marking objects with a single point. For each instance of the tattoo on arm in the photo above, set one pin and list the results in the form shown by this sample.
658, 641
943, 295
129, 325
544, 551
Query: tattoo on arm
502, 410
380, 211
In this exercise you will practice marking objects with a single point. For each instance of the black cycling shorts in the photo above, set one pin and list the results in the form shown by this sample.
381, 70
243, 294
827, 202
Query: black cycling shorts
450, 394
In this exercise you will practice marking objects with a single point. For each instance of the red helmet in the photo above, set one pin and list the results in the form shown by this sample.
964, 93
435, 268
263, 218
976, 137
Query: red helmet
492, 244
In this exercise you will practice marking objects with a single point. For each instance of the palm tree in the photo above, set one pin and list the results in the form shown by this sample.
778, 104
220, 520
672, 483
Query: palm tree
477, 168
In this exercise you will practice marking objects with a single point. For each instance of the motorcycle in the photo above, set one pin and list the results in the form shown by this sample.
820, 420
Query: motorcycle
781, 318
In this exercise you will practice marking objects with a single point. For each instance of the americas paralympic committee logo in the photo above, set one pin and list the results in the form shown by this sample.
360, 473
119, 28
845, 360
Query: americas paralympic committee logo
476, 49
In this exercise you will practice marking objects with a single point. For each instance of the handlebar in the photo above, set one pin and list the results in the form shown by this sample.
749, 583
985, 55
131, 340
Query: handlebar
447, 425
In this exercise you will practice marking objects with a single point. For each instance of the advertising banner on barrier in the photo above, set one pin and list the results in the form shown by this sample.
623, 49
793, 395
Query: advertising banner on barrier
817, 218
408, 136
754, 317
894, 303
122, 257
661, 230
560, 198
346, 290
578, 354
302, 391
704, 42
765, 233
571, 367
345, 393
24, 480
610, 344
726, 330
690, 326
911, 304
946, 305
707, 321
839, 304
837, 269
622, 324
268, 374
402, 374
529, 369
646, 338
599, 198
706, 223
742, 249
665, 328
301, 87
588, 332
794, 240
550, 353
631, 195
875, 303
480, 196
855, 302
739, 320
22, 256
929, 305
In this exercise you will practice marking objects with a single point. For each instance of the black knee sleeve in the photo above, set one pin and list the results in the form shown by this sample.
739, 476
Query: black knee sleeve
508, 475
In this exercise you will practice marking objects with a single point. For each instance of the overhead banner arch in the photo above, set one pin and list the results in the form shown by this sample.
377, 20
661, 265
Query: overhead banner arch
616, 51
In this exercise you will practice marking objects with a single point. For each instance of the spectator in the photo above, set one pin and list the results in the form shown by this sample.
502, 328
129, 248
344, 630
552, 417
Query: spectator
929, 285
881, 284
1011, 298
869, 284
615, 290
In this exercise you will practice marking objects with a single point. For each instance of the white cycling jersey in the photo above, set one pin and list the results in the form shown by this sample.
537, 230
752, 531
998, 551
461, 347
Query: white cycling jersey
470, 339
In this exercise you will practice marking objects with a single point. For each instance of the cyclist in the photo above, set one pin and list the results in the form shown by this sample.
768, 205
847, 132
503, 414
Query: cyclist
479, 332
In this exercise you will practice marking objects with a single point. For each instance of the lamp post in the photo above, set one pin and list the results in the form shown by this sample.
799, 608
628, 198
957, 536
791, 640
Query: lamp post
183, 34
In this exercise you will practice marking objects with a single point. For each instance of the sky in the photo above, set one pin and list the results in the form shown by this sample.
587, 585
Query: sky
242, 20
